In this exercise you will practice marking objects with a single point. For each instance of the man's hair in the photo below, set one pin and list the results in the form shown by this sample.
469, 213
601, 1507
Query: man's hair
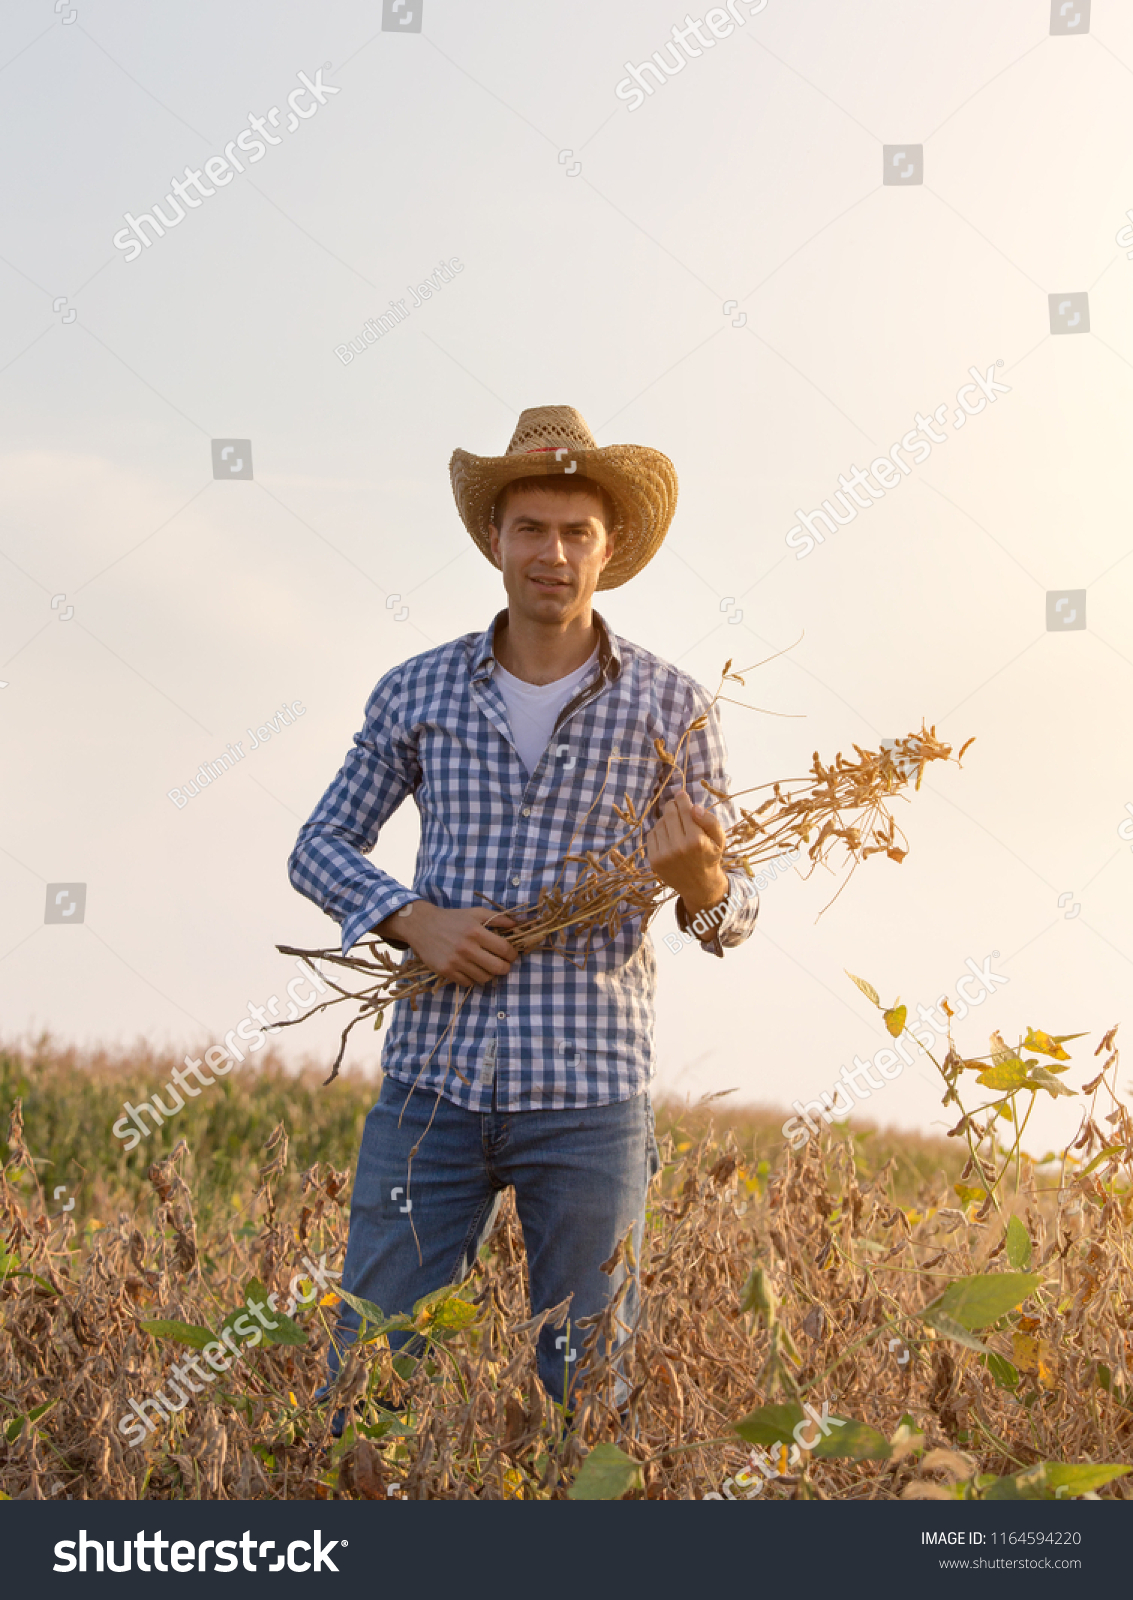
556, 486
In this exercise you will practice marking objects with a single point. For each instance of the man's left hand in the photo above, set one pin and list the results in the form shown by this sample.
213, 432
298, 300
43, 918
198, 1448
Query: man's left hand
685, 848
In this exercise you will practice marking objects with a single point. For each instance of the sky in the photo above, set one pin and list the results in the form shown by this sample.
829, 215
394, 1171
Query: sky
830, 219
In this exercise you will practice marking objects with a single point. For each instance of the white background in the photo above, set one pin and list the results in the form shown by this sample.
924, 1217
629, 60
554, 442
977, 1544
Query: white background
754, 175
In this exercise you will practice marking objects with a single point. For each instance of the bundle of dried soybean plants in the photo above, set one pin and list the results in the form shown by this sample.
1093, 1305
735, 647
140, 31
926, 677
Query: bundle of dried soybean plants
842, 803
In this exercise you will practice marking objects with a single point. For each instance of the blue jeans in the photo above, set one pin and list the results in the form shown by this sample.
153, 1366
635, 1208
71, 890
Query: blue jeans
580, 1180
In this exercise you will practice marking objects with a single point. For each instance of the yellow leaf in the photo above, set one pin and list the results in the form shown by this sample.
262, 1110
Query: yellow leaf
330, 1299
895, 1020
1009, 1074
1049, 1044
1034, 1355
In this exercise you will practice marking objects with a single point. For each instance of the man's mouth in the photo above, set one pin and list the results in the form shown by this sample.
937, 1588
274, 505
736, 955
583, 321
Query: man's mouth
549, 583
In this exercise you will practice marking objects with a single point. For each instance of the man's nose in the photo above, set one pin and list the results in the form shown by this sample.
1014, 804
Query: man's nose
552, 551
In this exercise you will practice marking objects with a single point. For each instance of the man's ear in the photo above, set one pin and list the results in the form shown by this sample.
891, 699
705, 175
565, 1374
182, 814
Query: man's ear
494, 545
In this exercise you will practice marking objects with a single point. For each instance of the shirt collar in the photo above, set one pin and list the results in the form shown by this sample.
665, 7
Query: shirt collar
482, 660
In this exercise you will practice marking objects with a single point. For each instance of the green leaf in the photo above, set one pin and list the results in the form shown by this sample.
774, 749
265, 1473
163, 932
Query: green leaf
866, 988
771, 1424
1017, 1243
364, 1308
288, 1332
951, 1329
1076, 1480
856, 1441
455, 1314
436, 1298
374, 1320
986, 1296
189, 1333
757, 1294
1009, 1074
1002, 1370
1102, 1155
1040, 1078
230, 1322
390, 1427
1045, 1479
967, 1193
12, 1432
606, 1474
894, 1020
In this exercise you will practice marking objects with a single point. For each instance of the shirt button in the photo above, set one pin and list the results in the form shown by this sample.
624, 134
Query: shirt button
526, 811
515, 882
501, 1015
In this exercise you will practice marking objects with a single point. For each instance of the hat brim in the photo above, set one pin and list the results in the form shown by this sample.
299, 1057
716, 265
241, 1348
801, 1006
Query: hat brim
641, 482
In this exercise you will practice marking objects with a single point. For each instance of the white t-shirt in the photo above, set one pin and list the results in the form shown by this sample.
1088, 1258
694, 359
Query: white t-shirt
533, 708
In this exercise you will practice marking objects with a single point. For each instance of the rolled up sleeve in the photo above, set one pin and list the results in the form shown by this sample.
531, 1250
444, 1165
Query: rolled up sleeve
707, 763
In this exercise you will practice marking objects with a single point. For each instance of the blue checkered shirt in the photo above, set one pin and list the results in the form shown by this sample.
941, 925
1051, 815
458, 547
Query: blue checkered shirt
550, 1034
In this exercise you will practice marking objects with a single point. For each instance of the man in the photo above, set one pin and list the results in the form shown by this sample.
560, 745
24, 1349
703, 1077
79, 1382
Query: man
517, 744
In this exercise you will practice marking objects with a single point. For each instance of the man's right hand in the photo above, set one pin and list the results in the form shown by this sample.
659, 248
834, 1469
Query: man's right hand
456, 943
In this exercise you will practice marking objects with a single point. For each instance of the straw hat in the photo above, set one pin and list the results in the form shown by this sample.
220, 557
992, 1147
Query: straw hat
554, 441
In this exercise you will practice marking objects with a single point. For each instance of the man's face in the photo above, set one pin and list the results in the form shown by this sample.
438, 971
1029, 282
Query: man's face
551, 548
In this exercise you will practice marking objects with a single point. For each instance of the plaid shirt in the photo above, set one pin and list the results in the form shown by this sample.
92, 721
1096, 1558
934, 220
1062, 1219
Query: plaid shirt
550, 1034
